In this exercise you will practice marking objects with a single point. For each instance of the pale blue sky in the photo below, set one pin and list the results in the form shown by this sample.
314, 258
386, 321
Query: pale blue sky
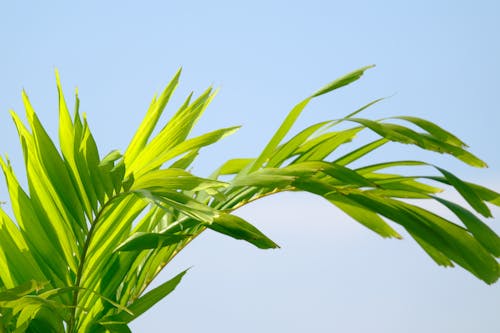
437, 59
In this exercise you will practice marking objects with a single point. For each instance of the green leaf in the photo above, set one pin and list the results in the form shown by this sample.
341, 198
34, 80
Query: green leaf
233, 166
435, 130
139, 241
482, 192
385, 165
263, 178
46, 322
16, 261
185, 161
40, 237
295, 113
147, 126
174, 135
360, 152
343, 174
146, 301
454, 242
405, 135
467, 193
116, 327
485, 193
401, 187
484, 234
289, 148
109, 159
279, 135
52, 164
436, 255
21, 290
320, 148
175, 179
100, 230
236, 227
159, 157
342, 81
179, 201
364, 216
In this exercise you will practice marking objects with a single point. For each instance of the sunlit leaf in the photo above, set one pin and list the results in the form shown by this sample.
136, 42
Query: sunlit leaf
89, 234
238, 228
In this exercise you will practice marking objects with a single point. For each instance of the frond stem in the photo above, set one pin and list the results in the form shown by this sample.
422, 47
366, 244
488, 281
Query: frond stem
81, 266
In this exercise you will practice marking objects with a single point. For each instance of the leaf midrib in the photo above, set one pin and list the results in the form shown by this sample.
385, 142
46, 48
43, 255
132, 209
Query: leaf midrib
81, 265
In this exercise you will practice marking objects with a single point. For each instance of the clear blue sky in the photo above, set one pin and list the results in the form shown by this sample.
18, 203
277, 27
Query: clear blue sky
437, 59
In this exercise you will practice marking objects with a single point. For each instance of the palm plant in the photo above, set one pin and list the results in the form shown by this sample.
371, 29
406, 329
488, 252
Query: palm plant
90, 233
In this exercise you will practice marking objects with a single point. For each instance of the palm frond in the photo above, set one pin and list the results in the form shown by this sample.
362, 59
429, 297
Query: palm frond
91, 232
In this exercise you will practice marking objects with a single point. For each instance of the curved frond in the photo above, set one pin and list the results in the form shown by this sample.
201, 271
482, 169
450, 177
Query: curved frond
90, 232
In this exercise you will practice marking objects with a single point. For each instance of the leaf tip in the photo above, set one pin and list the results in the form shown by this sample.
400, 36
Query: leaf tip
58, 78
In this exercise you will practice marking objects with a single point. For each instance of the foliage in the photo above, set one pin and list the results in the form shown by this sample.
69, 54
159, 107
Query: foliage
90, 233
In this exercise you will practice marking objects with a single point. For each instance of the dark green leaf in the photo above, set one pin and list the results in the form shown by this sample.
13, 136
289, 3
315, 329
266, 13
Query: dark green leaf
364, 216
139, 241
480, 230
467, 193
238, 228
21, 290
434, 253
